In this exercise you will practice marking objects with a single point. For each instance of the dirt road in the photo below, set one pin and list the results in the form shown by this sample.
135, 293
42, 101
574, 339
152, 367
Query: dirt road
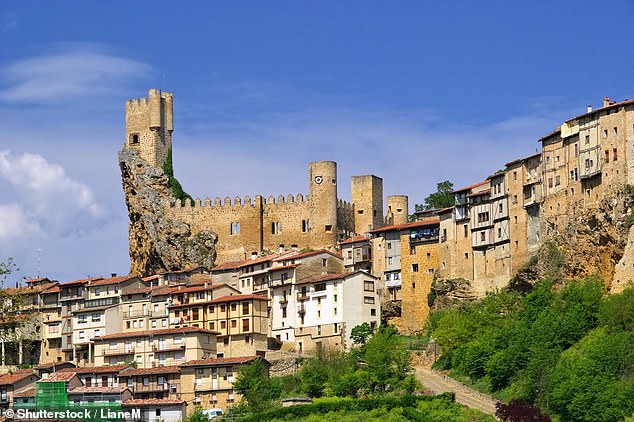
439, 383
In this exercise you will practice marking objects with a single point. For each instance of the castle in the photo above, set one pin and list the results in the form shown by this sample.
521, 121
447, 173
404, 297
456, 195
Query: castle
250, 226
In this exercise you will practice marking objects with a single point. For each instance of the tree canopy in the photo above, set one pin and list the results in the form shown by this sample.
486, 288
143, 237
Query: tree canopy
442, 198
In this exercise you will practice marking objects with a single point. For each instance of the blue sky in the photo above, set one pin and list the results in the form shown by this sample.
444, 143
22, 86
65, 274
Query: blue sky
414, 92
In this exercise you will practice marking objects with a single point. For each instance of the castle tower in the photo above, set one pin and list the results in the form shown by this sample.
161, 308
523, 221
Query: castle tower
149, 125
322, 182
397, 209
367, 199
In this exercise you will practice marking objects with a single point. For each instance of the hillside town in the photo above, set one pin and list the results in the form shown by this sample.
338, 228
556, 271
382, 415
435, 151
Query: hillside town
293, 275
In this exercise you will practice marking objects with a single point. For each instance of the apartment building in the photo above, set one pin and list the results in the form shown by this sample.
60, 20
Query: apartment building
357, 253
248, 276
155, 348
13, 383
161, 382
208, 383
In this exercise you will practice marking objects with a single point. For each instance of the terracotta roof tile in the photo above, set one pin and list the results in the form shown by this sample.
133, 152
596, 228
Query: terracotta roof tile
148, 333
405, 226
355, 239
232, 298
152, 402
148, 371
59, 376
471, 187
12, 378
220, 361
49, 365
29, 392
301, 255
112, 280
107, 369
80, 282
97, 389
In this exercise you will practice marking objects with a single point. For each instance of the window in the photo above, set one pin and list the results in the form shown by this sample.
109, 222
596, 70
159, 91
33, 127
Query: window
390, 260
482, 236
373, 312
146, 381
368, 299
616, 130
223, 308
576, 150
178, 339
245, 325
82, 335
500, 208
235, 228
430, 270
134, 138
605, 133
276, 227
334, 299
414, 268
324, 262
499, 233
320, 287
234, 307
466, 230
234, 323
305, 226
557, 180
614, 155
514, 175
284, 312
245, 308
550, 182
328, 228
283, 277
368, 286
223, 325
412, 250
82, 318
97, 291
607, 155
483, 217
587, 139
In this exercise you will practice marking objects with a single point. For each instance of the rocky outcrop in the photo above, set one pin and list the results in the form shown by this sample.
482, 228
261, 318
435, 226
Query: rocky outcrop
157, 243
447, 293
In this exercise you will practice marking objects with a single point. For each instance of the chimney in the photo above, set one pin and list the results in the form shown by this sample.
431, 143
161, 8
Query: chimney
589, 108
281, 248
206, 284
113, 275
254, 255
607, 102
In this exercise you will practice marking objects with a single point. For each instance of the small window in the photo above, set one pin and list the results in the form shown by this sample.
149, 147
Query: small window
587, 139
482, 236
430, 270
134, 138
368, 286
614, 155
607, 155
320, 287
324, 262
276, 227
414, 268
328, 228
616, 130
373, 312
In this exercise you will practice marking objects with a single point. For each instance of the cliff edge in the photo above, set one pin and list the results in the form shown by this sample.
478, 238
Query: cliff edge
158, 244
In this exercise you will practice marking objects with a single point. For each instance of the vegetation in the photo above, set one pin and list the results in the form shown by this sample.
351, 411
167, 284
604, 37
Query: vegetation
563, 347
442, 198
254, 384
174, 185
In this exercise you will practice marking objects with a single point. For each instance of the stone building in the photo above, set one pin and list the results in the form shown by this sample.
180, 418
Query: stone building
250, 226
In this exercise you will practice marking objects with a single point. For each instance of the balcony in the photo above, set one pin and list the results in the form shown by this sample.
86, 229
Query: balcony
301, 310
283, 301
153, 387
129, 350
137, 314
168, 348
94, 303
302, 296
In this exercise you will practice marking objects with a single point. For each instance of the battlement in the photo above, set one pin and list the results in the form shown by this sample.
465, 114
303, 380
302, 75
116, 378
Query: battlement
239, 202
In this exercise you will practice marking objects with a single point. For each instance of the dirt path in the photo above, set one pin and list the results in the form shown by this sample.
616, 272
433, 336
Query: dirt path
437, 383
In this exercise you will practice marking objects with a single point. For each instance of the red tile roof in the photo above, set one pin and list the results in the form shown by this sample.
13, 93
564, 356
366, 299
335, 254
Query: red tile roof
152, 402
107, 369
406, 226
471, 187
36, 280
480, 192
233, 298
301, 255
49, 365
97, 389
519, 160
112, 280
148, 333
81, 281
59, 376
148, 371
19, 375
29, 392
355, 239
193, 289
220, 361
284, 267
319, 278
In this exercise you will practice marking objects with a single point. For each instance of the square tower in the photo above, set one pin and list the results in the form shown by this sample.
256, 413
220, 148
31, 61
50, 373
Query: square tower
367, 200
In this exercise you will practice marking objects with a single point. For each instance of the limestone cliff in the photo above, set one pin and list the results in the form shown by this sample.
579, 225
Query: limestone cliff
158, 244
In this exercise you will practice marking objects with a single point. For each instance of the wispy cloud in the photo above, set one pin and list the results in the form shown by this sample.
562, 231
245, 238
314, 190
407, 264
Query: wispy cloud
8, 21
69, 71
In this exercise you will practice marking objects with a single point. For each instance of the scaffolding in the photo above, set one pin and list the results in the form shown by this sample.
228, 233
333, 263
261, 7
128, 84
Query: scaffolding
52, 396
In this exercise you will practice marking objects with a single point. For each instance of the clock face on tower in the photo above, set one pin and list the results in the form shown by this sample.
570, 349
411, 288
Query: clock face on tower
318, 179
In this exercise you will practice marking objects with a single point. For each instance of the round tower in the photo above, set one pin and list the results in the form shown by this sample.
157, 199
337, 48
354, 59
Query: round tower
322, 182
397, 208
149, 126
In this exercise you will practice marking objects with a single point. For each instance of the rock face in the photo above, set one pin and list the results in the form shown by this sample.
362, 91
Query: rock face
158, 244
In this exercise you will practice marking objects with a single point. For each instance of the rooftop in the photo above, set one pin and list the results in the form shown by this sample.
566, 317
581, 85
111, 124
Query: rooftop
220, 361
149, 333
411, 225
12, 378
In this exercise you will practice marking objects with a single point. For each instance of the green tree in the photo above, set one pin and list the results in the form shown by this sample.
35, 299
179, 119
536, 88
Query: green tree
442, 198
387, 360
174, 184
254, 384
361, 333
313, 376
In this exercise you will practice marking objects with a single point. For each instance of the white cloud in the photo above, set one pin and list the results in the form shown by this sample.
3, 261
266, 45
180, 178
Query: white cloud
49, 200
70, 71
